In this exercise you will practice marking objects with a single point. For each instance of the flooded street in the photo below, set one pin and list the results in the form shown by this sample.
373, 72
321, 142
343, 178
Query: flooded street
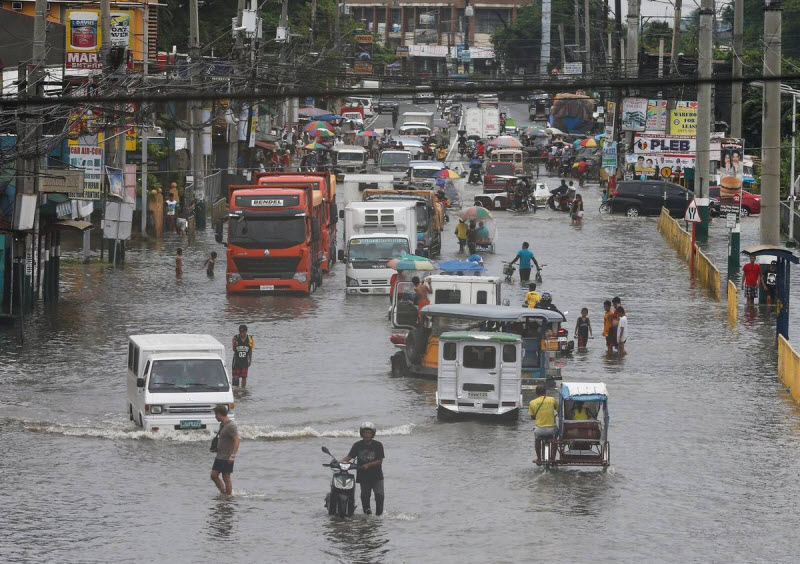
704, 458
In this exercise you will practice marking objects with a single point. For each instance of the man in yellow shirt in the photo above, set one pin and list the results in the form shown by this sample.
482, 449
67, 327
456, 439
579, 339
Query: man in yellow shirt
543, 411
532, 297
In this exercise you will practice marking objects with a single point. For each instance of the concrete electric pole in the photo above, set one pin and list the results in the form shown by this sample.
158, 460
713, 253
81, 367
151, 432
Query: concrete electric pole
704, 110
736, 87
198, 168
587, 40
544, 52
632, 53
771, 126
676, 39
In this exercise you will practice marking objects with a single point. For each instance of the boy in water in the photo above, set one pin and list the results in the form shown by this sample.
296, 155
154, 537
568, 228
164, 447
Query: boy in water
583, 328
532, 298
209, 264
608, 323
179, 263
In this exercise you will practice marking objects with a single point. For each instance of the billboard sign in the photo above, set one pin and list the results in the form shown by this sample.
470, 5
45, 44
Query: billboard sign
646, 143
84, 36
634, 114
90, 159
656, 116
362, 63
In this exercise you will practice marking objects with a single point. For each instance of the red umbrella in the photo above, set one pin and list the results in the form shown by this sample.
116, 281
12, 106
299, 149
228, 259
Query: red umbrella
505, 142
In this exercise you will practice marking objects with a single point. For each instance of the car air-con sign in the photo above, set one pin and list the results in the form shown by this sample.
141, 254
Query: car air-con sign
267, 202
664, 144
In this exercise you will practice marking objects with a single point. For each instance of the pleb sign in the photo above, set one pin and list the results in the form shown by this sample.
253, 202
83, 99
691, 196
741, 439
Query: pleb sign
692, 215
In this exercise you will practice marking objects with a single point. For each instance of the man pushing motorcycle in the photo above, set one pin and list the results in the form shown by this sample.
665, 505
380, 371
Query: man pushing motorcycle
369, 454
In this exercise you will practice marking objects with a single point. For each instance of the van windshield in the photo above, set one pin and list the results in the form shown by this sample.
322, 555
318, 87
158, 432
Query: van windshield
354, 156
427, 172
188, 375
395, 158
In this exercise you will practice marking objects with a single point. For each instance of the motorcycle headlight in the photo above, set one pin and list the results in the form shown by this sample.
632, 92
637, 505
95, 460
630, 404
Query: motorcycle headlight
351, 282
300, 276
233, 278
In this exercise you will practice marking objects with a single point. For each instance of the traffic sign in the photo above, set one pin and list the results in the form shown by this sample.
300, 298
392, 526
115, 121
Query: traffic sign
692, 215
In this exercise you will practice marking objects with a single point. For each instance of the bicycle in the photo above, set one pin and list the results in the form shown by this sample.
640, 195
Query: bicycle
538, 278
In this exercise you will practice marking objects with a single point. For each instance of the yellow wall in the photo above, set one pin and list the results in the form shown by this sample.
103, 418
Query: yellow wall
789, 367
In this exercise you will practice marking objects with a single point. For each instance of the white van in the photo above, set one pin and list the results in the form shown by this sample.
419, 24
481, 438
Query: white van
174, 381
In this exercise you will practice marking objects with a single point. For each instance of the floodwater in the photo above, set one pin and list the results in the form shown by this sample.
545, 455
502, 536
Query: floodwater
705, 453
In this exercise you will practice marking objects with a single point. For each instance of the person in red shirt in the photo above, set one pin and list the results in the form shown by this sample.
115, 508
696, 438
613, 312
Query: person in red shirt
583, 166
480, 149
752, 274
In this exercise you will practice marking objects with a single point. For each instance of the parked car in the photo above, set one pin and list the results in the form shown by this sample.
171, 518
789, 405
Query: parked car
646, 197
751, 203
386, 105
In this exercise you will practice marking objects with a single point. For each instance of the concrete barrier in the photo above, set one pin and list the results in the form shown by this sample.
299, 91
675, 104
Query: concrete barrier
671, 230
789, 367
705, 272
733, 304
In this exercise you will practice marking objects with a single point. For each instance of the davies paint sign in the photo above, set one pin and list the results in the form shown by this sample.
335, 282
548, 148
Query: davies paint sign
664, 144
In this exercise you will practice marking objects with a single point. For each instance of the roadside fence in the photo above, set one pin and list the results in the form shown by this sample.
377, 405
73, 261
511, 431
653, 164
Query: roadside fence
705, 272
789, 367
733, 304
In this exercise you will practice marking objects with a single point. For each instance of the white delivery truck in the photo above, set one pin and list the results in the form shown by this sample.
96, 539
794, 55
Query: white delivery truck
174, 381
352, 188
376, 232
419, 118
483, 123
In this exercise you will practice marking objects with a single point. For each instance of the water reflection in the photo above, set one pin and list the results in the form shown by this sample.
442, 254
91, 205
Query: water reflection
568, 491
220, 523
360, 538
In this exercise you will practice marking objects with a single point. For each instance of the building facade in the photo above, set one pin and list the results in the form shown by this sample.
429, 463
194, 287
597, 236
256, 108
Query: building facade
438, 39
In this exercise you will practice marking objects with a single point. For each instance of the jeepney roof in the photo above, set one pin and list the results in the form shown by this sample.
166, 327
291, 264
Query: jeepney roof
354, 148
492, 312
464, 279
479, 336
584, 391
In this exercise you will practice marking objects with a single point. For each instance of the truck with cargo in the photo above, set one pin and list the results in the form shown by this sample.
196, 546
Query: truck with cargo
375, 232
274, 238
325, 182
482, 123
430, 215
355, 184
424, 119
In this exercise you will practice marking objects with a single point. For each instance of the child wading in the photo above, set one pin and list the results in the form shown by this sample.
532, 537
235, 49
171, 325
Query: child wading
209, 264
242, 356
583, 328
179, 263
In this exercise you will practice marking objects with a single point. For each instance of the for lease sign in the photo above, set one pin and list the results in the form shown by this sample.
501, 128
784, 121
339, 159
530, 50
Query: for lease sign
664, 144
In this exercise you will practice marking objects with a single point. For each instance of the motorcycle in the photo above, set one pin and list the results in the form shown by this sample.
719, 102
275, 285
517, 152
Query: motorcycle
559, 202
508, 271
462, 149
474, 175
341, 500
526, 204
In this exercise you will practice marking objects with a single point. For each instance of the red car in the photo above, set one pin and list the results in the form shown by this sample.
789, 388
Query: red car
751, 203
495, 177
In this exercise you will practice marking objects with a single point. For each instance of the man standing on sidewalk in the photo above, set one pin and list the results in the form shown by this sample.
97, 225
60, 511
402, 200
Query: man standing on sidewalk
227, 447
752, 274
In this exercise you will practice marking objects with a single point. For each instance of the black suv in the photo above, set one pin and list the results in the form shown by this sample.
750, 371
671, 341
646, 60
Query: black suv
646, 197
387, 105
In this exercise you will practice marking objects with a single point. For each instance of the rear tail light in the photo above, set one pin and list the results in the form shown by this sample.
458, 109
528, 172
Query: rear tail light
562, 332
398, 339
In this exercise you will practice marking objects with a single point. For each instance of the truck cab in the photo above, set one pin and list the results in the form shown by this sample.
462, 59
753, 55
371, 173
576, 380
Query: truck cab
174, 381
395, 162
480, 375
422, 175
348, 159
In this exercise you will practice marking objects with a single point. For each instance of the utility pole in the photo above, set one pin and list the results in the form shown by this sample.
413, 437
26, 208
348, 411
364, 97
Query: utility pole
736, 87
618, 33
109, 141
561, 43
233, 108
314, 20
587, 39
198, 172
676, 38
632, 54
144, 130
704, 69
544, 54
577, 34
770, 124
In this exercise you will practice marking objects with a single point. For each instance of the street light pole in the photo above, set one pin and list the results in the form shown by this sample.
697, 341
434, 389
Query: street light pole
793, 178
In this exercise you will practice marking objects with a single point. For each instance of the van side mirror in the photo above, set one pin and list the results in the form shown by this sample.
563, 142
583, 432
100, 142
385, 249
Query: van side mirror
334, 212
340, 255
314, 229
140, 382
341, 214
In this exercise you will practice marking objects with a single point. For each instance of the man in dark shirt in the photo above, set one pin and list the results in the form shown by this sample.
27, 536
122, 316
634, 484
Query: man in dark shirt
369, 453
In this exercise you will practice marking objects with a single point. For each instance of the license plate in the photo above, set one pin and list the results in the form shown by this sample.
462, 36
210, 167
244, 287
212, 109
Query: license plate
266, 288
191, 424
477, 394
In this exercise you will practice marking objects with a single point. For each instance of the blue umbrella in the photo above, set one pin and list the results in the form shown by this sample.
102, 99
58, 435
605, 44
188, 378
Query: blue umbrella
460, 266
328, 117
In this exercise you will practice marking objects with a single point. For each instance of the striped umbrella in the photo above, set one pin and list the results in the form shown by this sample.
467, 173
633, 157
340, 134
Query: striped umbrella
312, 125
